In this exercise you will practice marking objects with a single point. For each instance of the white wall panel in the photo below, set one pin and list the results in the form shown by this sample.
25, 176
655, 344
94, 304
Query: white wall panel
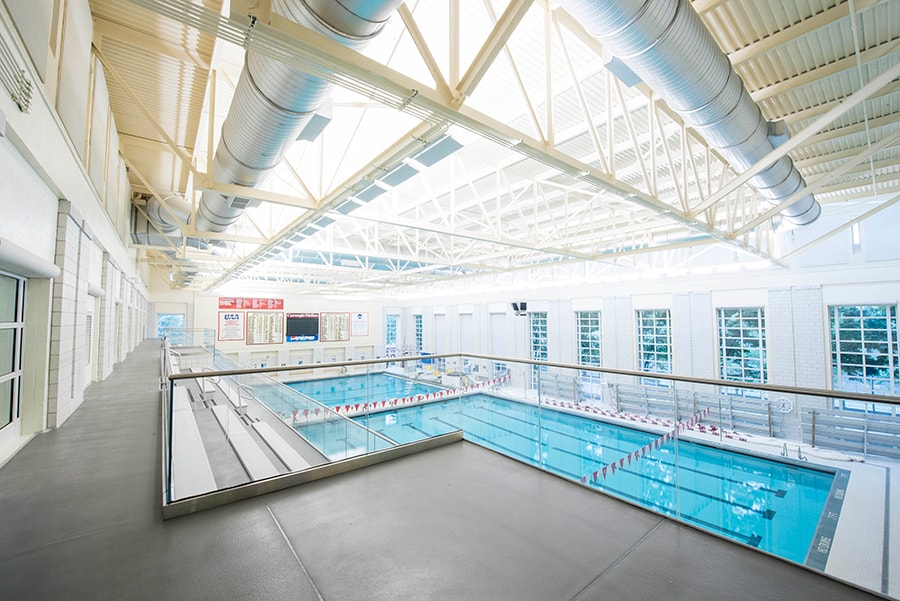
20, 186
467, 341
99, 134
32, 19
442, 341
498, 335
878, 235
74, 72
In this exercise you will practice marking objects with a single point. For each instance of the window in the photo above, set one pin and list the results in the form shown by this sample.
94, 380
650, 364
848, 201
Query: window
864, 356
167, 322
500, 369
742, 347
390, 330
538, 328
587, 332
12, 329
654, 335
420, 346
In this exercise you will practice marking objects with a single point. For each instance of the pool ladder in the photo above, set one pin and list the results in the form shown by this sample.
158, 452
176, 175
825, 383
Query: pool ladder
800, 455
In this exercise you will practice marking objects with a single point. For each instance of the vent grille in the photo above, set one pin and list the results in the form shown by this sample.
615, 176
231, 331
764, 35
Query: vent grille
88, 329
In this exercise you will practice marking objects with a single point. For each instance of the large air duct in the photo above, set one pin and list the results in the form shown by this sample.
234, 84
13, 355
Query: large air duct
273, 102
163, 219
666, 44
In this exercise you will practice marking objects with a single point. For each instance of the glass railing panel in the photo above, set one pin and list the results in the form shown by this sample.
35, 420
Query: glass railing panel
399, 400
323, 416
225, 430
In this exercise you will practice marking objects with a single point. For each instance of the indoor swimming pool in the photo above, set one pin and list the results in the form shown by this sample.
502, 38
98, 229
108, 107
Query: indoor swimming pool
774, 506
365, 388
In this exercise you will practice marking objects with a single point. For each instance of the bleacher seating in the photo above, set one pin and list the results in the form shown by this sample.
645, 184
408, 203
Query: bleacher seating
191, 472
248, 451
285, 452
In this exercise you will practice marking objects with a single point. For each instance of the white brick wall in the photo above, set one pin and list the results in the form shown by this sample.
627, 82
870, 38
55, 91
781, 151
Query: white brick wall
69, 352
797, 349
66, 386
795, 331
617, 332
106, 342
693, 335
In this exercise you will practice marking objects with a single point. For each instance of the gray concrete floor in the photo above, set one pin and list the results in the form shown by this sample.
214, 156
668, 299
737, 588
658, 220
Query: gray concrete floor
80, 519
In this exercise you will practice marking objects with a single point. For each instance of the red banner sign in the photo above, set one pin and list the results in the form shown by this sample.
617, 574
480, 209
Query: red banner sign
233, 303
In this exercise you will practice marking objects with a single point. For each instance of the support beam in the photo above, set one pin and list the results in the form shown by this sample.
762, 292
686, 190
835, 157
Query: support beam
255, 194
393, 155
855, 128
104, 28
425, 52
703, 6
495, 42
838, 66
814, 111
323, 57
874, 211
149, 143
789, 34
111, 71
456, 233
154, 192
821, 181
801, 137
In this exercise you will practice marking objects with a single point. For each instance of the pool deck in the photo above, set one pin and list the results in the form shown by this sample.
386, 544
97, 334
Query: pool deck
81, 520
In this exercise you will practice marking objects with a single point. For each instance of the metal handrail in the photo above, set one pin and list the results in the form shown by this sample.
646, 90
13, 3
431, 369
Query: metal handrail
803, 391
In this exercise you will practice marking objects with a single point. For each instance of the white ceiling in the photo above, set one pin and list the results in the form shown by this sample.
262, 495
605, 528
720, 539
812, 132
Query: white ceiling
565, 173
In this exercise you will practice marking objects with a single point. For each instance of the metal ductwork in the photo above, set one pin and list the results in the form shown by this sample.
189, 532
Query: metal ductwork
666, 44
159, 228
274, 102
162, 218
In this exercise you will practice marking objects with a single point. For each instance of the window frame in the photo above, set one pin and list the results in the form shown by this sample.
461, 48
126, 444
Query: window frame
160, 333
649, 321
538, 347
737, 351
588, 348
17, 327
419, 332
390, 329
840, 347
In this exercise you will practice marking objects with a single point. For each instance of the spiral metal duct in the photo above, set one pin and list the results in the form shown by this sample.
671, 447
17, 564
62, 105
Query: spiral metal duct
666, 44
273, 102
162, 219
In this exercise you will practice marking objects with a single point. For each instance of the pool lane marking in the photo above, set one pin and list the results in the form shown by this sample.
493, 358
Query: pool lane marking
751, 539
820, 547
778, 493
284, 535
764, 513
571, 435
560, 432
418, 429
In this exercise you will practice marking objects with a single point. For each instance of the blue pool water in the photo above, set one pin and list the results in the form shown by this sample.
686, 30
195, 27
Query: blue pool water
366, 388
771, 505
